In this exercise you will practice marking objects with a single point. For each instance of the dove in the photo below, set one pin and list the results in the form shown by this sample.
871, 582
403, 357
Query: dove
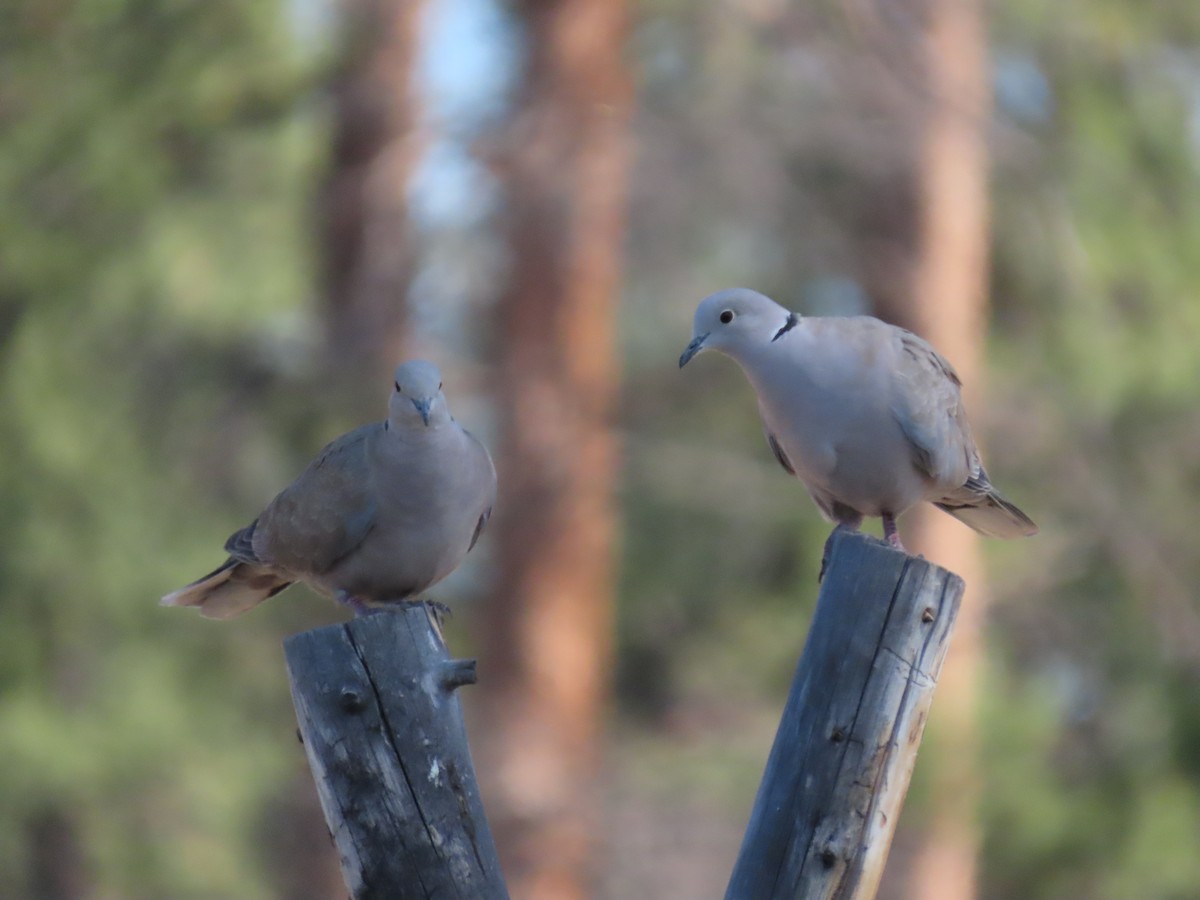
868, 416
381, 514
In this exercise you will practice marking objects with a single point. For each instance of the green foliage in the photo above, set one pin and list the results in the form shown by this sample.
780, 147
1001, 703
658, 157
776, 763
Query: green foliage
1092, 787
152, 179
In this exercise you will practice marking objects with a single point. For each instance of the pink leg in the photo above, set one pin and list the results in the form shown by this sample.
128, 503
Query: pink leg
357, 604
890, 533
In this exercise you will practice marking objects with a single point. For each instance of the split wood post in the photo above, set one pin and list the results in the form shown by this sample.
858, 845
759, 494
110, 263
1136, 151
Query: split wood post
837, 774
384, 735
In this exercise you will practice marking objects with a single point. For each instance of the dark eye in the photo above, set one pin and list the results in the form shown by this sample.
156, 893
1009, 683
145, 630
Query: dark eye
727, 316
439, 385
397, 386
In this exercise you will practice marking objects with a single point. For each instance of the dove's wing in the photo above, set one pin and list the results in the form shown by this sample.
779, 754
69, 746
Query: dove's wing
324, 514
479, 465
927, 403
928, 406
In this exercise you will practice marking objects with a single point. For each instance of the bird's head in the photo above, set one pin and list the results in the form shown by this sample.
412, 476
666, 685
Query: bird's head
417, 400
736, 318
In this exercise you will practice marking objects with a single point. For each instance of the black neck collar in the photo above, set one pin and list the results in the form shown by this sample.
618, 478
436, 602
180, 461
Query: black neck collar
792, 321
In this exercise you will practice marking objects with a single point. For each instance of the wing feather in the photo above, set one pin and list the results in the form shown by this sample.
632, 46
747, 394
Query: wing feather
325, 513
927, 404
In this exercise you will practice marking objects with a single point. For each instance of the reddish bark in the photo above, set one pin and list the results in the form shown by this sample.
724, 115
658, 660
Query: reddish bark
949, 309
366, 240
547, 655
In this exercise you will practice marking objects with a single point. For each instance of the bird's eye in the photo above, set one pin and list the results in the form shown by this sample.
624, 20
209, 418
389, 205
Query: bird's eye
727, 316
439, 385
398, 386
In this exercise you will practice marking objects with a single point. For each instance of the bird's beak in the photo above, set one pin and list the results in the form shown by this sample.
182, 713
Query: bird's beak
693, 348
423, 408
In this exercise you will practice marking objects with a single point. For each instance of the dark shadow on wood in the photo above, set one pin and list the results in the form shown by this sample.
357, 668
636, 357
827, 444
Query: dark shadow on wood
384, 735
837, 774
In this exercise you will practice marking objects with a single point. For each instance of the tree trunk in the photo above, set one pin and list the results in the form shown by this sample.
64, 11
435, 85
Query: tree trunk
545, 661
838, 772
58, 865
383, 731
366, 239
949, 309
366, 251
296, 845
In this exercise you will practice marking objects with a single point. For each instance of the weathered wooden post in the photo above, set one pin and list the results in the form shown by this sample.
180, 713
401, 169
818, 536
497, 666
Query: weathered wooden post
384, 735
837, 774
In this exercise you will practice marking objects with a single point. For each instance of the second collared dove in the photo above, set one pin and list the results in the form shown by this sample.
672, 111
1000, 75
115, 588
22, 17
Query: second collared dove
381, 514
867, 415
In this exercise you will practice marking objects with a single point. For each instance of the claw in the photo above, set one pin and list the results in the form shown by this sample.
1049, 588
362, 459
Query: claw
890, 533
358, 605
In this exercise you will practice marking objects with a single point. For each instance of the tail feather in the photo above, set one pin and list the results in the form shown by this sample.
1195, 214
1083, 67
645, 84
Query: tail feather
979, 505
229, 590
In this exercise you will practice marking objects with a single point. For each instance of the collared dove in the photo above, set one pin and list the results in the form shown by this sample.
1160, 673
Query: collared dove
867, 415
381, 514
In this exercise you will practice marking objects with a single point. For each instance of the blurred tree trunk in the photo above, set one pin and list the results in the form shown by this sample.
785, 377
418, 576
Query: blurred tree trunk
296, 844
58, 867
366, 238
367, 258
947, 307
544, 684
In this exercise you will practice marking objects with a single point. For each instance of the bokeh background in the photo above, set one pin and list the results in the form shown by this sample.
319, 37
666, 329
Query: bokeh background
222, 223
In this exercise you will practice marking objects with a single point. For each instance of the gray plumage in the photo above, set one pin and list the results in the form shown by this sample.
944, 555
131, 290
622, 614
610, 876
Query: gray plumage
381, 514
867, 415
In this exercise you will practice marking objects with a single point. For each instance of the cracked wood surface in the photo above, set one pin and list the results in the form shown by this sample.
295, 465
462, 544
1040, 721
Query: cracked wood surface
837, 774
383, 731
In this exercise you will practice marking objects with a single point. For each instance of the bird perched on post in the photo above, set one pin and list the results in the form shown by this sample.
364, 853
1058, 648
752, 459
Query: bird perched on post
381, 514
867, 415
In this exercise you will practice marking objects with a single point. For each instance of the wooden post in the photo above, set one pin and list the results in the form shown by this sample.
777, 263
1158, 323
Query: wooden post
825, 812
384, 735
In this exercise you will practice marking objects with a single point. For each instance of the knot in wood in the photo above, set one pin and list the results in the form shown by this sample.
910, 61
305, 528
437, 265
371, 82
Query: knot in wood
927, 614
837, 735
351, 701
828, 857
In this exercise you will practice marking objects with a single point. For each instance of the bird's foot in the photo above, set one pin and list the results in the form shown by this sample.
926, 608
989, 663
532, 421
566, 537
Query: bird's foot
891, 533
358, 605
440, 611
